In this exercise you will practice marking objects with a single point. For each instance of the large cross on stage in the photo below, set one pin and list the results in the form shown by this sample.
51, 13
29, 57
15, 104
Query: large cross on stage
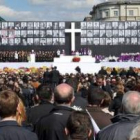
72, 31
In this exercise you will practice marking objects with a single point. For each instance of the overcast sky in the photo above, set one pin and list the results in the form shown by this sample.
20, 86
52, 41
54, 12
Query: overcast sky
48, 10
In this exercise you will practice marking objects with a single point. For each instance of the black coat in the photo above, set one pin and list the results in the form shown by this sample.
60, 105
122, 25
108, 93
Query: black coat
35, 113
51, 127
10, 130
121, 129
55, 76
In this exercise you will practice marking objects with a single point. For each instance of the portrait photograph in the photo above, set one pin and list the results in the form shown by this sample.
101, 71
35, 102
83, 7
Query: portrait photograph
30, 25
36, 33
24, 25
96, 33
102, 25
49, 25
109, 33
134, 41
36, 41
102, 33
89, 41
121, 33
127, 25
17, 41
115, 33
43, 41
134, 25
24, 33
115, 25
89, 33
11, 25
17, 33
96, 25
4, 33
62, 41
102, 41
11, 41
4, 25
24, 41
108, 41
11, 33
83, 25
127, 41
134, 33
4, 41
55, 33
61, 25
42, 33
55, 41
89, 25
17, 25
55, 25
121, 25
115, 41
127, 33
61, 33
43, 25
108, 25
83, 33
49, 33
30, 41
121, 41
30, 33
83, 41
96, 41
36, 25
49, 41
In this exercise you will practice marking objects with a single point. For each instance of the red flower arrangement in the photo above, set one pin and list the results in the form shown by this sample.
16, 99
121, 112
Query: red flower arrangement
76, 59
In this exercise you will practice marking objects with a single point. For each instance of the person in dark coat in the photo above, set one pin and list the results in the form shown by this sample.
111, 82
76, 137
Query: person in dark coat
96, 98
123, 123
46, 76
114, 72
102, 71
45, 106
131, 72
55, 77
52, 126
79, 126
9, 127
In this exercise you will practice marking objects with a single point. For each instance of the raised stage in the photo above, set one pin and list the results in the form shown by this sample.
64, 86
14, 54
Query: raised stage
69, 67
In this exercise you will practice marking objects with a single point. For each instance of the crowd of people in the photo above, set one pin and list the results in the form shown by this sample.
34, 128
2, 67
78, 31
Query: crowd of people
51, 106
24, 56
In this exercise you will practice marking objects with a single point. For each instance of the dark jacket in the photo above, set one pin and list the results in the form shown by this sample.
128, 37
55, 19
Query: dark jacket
37, 112
10, 130
51, 127
115, 104
101, 118
55, 76
121, 129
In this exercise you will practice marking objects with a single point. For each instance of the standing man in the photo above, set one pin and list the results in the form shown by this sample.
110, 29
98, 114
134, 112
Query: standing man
55, 75
52, 127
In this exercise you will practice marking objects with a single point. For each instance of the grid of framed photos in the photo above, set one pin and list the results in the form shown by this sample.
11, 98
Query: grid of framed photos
32, 33
110, 33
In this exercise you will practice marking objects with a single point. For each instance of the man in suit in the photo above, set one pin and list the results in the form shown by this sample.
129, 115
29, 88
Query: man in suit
9, 128
45, 106
55, 75
52, 126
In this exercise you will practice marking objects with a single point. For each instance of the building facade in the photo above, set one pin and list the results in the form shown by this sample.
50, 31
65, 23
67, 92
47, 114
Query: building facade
116, 11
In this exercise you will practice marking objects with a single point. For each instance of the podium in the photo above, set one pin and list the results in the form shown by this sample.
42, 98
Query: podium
32, 58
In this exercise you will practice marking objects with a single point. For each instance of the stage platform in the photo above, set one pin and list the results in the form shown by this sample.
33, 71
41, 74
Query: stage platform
70, 67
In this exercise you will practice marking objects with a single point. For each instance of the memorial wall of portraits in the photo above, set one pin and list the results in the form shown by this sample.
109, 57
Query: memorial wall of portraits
32, 33
110, 33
